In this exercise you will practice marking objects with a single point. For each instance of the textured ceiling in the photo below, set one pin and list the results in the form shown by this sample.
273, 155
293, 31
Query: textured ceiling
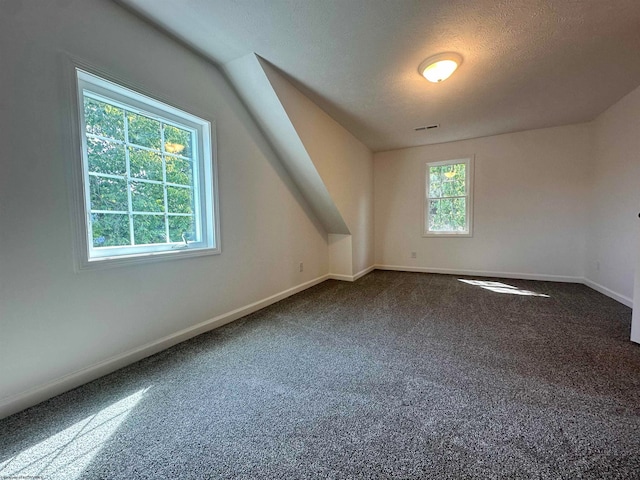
527, 63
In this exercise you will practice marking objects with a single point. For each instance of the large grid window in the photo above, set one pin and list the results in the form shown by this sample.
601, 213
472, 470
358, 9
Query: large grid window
147, 172
449, 200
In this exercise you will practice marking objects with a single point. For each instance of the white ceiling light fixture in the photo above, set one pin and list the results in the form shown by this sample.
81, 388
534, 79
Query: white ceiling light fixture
440, 67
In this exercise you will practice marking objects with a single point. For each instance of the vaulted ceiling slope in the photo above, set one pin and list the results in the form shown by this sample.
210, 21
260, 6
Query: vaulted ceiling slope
255, 88
527, 63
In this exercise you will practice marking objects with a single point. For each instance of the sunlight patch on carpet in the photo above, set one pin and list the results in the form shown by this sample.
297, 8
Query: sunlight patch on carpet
66, 454
500, 287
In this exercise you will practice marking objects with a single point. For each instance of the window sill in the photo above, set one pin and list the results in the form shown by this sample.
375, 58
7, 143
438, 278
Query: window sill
447, 235
143, 258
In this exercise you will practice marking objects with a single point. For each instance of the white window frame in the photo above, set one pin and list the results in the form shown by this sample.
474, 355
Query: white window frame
469, 161
101, 86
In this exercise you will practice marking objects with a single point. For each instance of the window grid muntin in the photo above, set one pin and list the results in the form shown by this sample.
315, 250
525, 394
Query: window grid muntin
453, 232
133, 109
204, 173
444, 198
129, 179
444, 164
135, 145
164, 183
127, 159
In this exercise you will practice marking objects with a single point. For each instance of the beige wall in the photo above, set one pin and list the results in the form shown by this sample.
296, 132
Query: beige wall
613, 232
530, 192
54, 321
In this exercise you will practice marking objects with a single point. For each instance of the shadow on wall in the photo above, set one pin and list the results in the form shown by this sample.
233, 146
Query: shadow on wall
267, 150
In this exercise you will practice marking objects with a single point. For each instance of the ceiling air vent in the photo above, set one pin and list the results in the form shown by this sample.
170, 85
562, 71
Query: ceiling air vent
426, 127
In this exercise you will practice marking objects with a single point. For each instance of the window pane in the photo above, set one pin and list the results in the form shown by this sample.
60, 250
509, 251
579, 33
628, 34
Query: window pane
461, 168
177, 141
110, 230
180, 200
103, 119
147, 197
179, 171
180, 225
447, 181
435, 189
447, 215
144, 131
145, 164
149, 229
143, 171
435, 174
106, 157
453, 188
435, 182
108, 193
453, 180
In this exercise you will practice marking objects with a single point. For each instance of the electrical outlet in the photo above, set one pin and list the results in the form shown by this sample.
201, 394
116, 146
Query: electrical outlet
414, 255
301, 267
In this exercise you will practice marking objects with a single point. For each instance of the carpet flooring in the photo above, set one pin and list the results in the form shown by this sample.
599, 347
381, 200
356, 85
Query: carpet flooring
397, 375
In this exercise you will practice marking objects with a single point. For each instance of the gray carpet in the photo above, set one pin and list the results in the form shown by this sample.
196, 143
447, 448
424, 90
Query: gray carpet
398, 375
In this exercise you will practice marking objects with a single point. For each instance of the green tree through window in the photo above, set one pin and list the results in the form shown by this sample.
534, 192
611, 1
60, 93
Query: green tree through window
149, 175
133, 172
448, 202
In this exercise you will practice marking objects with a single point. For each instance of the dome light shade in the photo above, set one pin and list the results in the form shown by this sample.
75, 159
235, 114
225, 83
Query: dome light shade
440, 67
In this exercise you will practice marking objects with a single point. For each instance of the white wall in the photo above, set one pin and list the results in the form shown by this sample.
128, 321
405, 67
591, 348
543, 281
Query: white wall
612, 238
54, 321
344, 163
530, 193
340, 256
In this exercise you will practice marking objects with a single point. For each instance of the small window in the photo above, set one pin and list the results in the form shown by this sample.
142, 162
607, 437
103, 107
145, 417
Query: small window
449, 198
148, 176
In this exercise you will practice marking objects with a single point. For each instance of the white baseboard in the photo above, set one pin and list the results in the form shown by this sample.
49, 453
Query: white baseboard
483, 273
362, 273
60, 385
338, 276
21, 401
608, 292
524, 276
352, 278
